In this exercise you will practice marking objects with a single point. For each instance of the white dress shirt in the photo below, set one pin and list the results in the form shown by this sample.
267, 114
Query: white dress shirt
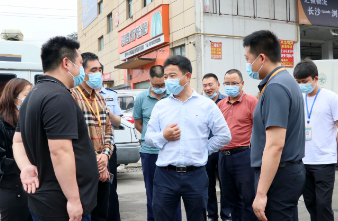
196, 117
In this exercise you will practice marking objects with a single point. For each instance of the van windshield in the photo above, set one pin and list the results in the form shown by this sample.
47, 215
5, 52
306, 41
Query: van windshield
126, 102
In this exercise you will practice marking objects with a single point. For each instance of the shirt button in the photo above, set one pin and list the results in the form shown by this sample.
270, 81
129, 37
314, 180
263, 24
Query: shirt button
19, 195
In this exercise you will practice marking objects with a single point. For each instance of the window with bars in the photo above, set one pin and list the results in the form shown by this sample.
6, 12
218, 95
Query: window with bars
180, 50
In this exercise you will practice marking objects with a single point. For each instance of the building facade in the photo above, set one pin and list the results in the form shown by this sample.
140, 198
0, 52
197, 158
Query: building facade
130, 36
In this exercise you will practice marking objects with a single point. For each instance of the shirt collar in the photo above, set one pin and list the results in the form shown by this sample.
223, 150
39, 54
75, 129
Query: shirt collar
239, 100
194, 94
103, 90
86, 93
166, 94
221, 96
266, 79
47, 78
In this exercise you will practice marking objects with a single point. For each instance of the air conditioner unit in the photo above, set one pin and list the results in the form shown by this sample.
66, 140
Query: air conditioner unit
12, 35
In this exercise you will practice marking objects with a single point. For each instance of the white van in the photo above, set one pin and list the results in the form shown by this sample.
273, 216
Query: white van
19, 59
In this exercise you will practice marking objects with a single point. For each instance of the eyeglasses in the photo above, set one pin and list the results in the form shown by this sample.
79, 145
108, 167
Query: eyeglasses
158, 85
231, 83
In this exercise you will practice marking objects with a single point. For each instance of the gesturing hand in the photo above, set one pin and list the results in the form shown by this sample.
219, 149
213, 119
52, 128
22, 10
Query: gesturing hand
75, 210
29, 178
172, 132
259, 205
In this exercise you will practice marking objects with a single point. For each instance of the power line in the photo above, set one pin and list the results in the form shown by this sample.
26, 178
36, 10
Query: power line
35, 17
65, 16
38, 7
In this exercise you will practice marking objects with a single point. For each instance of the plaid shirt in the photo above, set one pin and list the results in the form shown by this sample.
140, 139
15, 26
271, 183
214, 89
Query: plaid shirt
94, 129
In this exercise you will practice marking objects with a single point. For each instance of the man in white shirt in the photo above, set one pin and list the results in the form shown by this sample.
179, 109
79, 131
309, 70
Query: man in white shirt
179, 126
321, 121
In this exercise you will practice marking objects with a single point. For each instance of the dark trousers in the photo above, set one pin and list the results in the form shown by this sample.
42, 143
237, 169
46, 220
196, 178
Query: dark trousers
85, 218
284, 192
114, 208
170, 186
212, 169
149, 167
318, 191
100, 212
14, 204
237, 180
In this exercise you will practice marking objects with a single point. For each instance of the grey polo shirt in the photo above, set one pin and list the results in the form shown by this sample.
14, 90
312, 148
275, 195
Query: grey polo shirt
280, 105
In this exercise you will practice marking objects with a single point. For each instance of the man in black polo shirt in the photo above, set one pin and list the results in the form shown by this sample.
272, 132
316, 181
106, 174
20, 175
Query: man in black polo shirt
278, 134
51, 144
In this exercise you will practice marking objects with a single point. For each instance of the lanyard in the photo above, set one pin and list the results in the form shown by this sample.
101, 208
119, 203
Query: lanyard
97, 110
307, 109
276, 72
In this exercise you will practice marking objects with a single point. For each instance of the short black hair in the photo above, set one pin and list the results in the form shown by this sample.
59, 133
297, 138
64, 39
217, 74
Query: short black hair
265, 42
88, 56
235, 71
56, 49
182, 62
156, 71
210, 75
101, 67
305, 68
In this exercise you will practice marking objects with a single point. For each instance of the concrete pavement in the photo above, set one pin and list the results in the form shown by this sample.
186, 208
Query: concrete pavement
132, 196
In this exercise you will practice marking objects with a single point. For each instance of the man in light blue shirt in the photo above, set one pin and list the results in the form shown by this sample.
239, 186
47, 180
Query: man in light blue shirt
180, 126
115, 114
144, 104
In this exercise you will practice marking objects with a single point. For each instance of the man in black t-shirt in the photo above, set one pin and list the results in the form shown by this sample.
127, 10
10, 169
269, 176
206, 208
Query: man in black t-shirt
51, 144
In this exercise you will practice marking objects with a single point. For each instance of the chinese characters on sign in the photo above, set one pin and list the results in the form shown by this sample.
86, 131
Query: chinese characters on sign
318, 12
287, 53
216, 50
140, 31
106, 76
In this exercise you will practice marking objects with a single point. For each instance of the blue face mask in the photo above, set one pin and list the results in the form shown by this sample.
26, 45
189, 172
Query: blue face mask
21, 102
173, 85
306, 88
232, 91
253, 75
212, 96
159, 90
78, 79
95, 80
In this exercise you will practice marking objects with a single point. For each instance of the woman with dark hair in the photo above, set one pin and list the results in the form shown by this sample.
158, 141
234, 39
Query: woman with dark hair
13, 199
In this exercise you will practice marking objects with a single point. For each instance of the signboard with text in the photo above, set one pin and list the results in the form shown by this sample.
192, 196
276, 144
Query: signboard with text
106, 76
318, 12
216, 50
287, 53
89, 12
152, 26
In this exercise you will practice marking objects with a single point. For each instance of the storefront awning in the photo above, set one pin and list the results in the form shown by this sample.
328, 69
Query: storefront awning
135, 63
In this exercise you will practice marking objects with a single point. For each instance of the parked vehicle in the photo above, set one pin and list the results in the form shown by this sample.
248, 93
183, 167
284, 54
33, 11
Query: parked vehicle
126, 100
127, 143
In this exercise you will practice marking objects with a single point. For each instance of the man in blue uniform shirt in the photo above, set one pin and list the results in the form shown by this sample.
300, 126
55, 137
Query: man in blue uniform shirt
211, 89
115, 113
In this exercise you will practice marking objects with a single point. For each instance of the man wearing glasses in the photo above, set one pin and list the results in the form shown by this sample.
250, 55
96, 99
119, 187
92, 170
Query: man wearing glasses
236, 175
143, 107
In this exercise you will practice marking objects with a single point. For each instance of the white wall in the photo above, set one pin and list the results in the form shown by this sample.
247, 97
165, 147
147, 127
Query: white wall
232, 48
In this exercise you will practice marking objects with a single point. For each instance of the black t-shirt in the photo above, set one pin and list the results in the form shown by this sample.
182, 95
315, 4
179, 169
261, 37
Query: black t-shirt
50, 112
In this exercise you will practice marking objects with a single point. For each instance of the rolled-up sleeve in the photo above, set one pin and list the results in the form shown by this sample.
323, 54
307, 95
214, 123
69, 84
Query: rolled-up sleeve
220, 130
154, 135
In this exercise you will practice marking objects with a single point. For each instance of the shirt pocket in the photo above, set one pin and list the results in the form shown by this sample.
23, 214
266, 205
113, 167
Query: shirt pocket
146, 112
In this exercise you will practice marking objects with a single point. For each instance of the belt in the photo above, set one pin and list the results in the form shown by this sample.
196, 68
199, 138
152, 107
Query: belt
281, 164
234, 151
182, 169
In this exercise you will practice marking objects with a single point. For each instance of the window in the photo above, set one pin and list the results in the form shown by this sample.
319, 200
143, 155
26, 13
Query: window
126, 103
147, 2
110, 22
179, 50
100, 8
130, 8
100, 43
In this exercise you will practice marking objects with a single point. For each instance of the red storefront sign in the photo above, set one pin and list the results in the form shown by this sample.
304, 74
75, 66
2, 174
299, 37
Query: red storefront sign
106, 76
287, 53
216, 50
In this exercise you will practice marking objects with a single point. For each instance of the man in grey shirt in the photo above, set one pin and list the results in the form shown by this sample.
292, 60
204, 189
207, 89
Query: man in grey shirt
278, 133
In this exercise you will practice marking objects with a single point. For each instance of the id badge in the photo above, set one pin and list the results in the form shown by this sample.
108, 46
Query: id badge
308, 133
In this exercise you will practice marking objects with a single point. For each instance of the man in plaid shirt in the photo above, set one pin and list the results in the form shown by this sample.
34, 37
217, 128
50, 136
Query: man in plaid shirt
100, 130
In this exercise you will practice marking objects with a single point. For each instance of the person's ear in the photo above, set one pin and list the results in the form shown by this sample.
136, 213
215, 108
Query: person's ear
188, 74
65, 63
242, 83
264, 58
